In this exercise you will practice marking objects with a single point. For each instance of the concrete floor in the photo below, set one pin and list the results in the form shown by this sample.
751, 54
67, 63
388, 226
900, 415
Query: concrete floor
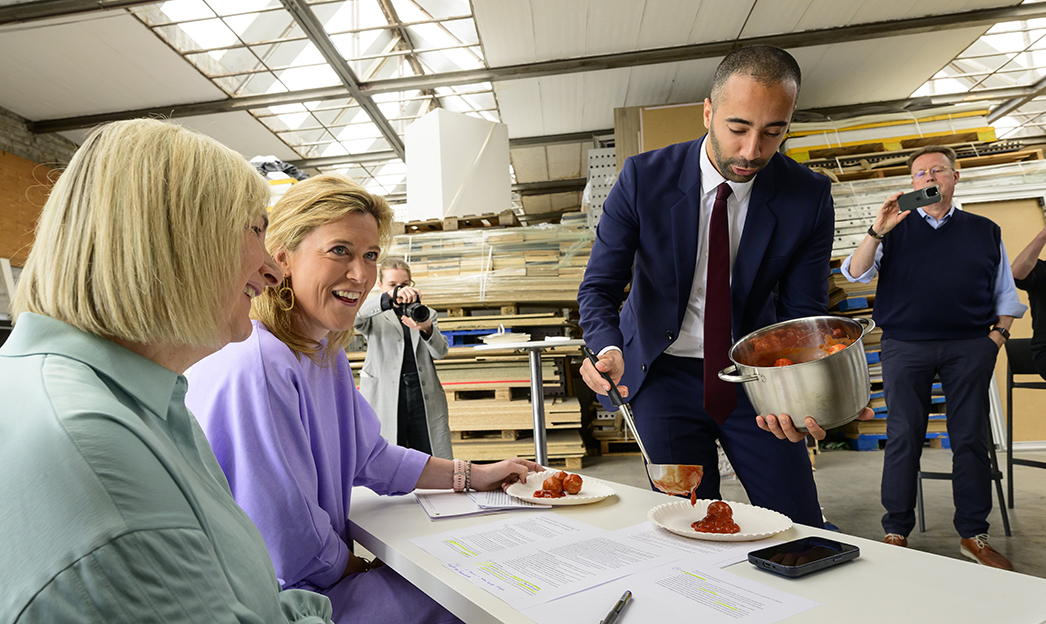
848, 486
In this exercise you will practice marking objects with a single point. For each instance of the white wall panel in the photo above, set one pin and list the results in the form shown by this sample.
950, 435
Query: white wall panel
521, 110
612, 25
506, 30
93, 65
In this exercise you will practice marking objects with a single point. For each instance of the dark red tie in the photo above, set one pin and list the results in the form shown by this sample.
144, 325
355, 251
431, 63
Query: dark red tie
720, 396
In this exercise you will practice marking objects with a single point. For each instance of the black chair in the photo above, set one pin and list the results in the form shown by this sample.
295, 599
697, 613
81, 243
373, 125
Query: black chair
947, 476
1018, 362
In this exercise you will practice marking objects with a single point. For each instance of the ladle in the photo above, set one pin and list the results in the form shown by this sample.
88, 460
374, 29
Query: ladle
675, 479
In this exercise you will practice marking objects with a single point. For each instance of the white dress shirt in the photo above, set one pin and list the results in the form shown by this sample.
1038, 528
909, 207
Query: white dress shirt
690, 342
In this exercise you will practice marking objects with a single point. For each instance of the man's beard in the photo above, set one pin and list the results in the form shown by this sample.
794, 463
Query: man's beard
723, 164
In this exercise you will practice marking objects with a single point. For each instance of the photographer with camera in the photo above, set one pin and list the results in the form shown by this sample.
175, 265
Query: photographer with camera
398, 377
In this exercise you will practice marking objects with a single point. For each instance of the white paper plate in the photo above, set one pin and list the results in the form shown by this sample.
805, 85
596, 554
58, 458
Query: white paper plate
503, 338
756, 522
592, 490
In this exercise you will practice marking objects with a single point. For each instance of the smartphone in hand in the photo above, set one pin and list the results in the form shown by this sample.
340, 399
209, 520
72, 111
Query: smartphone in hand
922, 197
803, 556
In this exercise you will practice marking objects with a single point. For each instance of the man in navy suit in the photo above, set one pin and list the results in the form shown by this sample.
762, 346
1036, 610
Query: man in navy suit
700, 281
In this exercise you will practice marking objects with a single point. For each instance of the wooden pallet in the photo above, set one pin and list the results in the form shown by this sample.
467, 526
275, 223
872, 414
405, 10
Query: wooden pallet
494, 321
561, 445
500, 415
618, 448
868, 170
505, 218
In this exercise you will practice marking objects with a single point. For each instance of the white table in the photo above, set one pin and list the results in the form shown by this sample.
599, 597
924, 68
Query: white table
537, 387
886, 583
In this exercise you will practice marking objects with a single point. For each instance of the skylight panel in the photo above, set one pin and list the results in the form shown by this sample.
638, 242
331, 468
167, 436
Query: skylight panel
431, 36
463, 29
230, 61
409, 11
301, 78
212, 33
333, 149
271, 26
230, 7
182, 10
240, 23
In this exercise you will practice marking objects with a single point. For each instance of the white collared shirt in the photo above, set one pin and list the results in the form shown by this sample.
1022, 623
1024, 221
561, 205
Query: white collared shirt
690, 342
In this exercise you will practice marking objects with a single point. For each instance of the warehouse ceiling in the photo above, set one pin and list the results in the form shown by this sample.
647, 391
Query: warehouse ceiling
331, 85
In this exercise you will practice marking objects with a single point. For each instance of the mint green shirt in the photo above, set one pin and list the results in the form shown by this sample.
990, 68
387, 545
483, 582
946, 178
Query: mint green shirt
112, 505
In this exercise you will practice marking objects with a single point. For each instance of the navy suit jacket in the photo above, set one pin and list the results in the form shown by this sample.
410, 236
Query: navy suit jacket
648, 235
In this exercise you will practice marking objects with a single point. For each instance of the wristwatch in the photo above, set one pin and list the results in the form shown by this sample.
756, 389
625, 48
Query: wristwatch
874, 234
1005, 333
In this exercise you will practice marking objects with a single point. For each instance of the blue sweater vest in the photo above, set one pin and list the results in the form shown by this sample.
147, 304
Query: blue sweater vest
938, 284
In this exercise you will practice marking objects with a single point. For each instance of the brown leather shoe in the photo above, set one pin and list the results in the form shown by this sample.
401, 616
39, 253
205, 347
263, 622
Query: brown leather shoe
978, 549
896, 540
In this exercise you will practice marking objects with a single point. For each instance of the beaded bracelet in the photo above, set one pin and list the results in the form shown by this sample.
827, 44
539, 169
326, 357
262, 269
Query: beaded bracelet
468, 475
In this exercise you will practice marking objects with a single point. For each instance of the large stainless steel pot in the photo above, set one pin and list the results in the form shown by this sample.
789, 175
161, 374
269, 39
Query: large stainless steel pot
833, 389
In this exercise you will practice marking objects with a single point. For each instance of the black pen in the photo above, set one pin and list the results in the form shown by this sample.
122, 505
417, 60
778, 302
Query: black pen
616, 611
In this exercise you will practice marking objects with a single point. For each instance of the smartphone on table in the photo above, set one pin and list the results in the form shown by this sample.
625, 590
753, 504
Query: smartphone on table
803, 556
922, 197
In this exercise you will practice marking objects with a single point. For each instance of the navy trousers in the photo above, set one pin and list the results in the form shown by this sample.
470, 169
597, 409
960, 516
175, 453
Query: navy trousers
965, 368
675, 428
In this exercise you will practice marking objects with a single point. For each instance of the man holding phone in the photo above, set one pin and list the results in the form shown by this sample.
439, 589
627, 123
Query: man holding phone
945, 300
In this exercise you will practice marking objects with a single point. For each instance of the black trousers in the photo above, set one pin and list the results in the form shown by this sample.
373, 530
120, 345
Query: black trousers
669, 413
965, 368
412, 425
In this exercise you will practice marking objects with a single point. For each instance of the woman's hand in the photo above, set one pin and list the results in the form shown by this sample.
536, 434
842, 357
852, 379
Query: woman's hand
503, 474
356, 565
424, 327
407, 294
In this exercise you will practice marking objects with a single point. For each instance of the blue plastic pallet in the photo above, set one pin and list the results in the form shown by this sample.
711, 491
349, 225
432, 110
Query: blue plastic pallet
853, 303
934, 388
933, 399
870, 441
463, 337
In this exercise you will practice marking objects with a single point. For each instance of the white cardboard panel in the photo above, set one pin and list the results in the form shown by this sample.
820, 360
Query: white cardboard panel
470, 158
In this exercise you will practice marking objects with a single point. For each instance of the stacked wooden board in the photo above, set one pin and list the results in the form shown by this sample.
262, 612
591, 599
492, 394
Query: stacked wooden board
488, 392
492, 266
856, 300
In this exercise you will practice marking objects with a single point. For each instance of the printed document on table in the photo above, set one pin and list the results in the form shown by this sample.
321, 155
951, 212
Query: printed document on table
449, 504
709, 553
474, 543
498, 499
536, 571
680, 592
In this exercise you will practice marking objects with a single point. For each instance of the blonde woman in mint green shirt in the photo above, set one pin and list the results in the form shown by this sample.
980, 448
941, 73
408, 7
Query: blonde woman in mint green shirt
112, 505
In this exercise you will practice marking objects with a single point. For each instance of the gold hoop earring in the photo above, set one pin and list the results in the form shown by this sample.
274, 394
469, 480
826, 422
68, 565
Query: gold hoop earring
281, 295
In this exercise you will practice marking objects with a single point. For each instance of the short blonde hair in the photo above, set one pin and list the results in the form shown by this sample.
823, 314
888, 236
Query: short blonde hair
140, 238
394, 264
305, 207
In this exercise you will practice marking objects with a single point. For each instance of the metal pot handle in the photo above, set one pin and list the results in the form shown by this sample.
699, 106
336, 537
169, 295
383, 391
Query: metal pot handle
727, 374
868, 323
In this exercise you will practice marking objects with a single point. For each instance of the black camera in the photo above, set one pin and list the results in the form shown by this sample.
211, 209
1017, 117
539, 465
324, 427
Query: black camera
415, 310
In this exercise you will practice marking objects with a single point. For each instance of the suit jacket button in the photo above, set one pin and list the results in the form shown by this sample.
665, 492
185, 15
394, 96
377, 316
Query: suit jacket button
642, 367
669, 335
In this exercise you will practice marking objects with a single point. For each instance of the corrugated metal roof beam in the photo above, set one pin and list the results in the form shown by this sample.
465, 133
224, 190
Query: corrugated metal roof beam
306, 18
841, 34
47, 9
